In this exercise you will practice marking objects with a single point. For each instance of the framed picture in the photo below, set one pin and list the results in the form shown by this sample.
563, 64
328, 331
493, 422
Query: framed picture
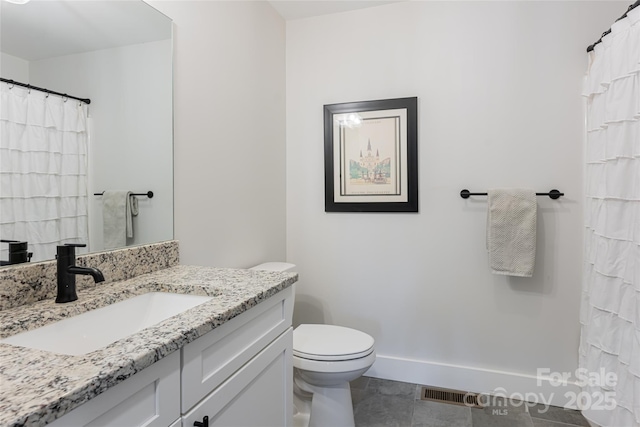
371, 156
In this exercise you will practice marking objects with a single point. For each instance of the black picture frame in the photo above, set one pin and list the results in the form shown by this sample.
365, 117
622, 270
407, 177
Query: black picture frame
364, 181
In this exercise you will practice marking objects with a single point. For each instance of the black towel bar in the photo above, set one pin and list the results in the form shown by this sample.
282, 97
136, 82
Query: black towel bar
149, 194
553, 194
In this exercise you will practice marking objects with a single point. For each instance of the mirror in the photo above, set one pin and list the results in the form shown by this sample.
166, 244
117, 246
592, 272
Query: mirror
119, 55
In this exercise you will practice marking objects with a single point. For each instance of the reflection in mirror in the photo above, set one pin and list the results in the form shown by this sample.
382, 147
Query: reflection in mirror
57, 153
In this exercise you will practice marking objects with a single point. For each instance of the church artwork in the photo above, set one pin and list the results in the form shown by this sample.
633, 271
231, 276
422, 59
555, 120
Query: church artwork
365, 170
370, 156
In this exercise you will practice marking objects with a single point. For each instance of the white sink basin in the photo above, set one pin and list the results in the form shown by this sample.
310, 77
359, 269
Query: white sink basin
98, 328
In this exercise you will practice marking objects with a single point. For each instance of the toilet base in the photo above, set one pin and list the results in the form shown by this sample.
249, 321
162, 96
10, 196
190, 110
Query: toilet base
300, 419
332, 406
329, 406
301, 406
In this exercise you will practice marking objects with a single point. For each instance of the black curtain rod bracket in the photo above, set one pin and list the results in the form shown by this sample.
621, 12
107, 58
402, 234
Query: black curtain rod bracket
553, 194
149, 194
28, 86
631, 7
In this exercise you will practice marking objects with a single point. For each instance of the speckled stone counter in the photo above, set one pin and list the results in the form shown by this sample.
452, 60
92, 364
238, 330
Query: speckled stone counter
37, 387
30, 282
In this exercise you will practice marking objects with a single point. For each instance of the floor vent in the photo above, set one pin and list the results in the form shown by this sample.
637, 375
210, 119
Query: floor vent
455, 397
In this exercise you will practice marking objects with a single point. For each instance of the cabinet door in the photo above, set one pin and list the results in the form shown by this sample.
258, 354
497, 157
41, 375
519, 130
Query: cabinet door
149, 398
208, 361
258, 395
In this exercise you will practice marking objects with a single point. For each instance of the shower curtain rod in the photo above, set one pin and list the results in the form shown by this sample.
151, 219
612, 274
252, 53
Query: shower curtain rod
28, 86
631, 7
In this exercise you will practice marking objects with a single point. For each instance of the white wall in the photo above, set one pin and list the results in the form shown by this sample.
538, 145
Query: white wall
14, 68
131, 128
499, 88
229, 131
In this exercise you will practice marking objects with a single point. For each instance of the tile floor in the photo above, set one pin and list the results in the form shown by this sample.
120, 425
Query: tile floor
383, 403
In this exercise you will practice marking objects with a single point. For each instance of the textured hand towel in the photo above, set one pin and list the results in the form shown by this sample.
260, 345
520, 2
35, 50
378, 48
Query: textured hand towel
132, 210
116, 214
511, 231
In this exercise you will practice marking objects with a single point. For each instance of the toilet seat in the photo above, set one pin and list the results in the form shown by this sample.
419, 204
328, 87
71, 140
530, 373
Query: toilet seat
330, 343
334, 366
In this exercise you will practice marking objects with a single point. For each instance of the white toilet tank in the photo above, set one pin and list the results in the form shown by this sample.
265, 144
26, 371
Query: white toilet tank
276, 266
284, 267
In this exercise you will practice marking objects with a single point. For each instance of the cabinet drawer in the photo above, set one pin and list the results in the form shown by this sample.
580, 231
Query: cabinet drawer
149, 398
214, 357
260, 394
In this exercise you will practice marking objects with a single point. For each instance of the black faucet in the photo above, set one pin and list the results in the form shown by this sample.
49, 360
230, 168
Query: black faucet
67, 270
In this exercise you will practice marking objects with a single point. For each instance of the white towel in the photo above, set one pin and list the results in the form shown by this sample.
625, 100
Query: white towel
511, 231
132, 210
117, 211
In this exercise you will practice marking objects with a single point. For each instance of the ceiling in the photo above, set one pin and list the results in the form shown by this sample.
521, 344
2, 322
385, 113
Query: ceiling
44, 28
298, 9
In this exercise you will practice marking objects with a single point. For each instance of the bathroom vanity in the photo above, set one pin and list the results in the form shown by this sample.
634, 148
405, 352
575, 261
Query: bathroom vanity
228, 359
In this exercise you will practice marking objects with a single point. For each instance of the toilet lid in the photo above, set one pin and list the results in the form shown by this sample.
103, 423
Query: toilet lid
329, 342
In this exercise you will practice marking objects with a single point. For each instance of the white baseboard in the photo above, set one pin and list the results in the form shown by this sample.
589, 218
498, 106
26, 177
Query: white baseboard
513, 385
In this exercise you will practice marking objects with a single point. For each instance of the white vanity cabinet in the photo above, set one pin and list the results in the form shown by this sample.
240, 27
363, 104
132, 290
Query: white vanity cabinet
149, 398
238, 374
254, 396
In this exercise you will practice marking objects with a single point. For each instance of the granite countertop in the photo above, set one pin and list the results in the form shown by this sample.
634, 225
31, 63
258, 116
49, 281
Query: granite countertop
36, 386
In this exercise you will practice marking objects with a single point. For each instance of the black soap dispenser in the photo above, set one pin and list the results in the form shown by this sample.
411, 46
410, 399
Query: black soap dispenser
18, 252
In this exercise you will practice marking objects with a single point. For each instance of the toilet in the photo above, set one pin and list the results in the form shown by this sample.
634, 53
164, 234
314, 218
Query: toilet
325, 359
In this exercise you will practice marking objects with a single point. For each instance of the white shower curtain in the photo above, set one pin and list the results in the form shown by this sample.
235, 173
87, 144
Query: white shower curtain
610, 314
43, 170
